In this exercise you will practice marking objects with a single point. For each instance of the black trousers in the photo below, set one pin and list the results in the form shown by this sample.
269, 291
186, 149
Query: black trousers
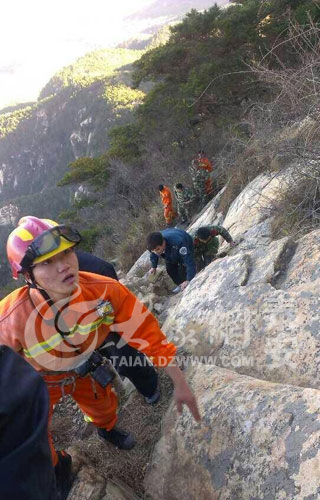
177, 272
26, 470
132, 364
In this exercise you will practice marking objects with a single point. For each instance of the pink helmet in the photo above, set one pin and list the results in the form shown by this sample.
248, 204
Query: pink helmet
22, 236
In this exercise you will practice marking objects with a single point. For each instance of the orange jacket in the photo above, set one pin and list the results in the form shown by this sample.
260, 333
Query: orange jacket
205, 164
166, 196
99, 305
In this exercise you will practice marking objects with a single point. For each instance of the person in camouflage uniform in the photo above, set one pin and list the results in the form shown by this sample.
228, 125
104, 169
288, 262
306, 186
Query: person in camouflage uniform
200, 171
198, 178
206, 244
184, 197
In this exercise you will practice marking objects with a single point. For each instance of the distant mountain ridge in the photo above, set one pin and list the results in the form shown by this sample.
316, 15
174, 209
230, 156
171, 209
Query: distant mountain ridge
158, 17
163, 8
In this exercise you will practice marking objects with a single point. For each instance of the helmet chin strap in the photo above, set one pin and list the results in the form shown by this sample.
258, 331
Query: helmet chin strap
31, 282
57, 312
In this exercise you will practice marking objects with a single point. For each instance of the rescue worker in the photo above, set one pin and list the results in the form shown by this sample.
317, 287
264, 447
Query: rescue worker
200, 171
184, 197
166, 200
26, 470
61, 317
175, 246
129, 362
206, 244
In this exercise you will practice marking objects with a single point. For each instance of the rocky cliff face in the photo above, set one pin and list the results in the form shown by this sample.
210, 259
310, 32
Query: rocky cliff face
35, 156
61, 129
248, 328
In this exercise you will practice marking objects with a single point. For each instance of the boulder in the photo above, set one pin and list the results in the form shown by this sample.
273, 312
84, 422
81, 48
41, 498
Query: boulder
141, 266
253, 204
117, 490
254, 328
88, 484
256, 440
210, 214
303, 270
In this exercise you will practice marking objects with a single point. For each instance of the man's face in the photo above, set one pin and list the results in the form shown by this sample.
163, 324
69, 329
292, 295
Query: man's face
58, 276
160, 248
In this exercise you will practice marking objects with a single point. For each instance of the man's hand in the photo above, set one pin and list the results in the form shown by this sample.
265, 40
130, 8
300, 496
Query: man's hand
184, 285
153, 270
232, 244
182, 392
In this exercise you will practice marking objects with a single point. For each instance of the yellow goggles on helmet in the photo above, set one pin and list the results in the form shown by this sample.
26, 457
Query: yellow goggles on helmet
45, 245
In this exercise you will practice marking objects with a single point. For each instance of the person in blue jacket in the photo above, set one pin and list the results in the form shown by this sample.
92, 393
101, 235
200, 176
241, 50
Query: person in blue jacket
93, 264
129, 362
26, 469
175, 246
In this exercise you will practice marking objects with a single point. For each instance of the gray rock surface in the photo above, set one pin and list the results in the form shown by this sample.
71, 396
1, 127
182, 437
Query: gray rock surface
252, 328
303, 271
257, 440
253, 313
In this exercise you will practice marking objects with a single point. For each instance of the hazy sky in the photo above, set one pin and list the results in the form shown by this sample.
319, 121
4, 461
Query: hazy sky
38, 37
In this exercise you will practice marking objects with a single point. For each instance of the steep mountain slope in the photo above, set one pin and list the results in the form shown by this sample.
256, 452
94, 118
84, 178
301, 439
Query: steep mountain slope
72, 118
204, 96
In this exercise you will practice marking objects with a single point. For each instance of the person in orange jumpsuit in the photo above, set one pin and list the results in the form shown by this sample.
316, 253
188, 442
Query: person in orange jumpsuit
58, 321
166, 199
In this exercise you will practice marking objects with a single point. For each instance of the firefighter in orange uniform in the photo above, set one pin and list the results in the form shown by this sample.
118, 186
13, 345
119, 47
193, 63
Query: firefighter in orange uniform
60, 320
166, 199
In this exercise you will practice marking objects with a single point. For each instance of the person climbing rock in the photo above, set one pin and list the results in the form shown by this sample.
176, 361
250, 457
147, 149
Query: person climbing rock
184, 197
128, 362
200, 171
166, 200
206, 244
175, 246
60, 319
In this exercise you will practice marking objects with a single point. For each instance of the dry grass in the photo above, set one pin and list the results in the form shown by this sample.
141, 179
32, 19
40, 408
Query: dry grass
297, 210
134, 243
282, 131
248, 165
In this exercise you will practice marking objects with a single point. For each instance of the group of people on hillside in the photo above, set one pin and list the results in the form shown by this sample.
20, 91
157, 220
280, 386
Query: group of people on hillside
200, 170
56, 332
184, 256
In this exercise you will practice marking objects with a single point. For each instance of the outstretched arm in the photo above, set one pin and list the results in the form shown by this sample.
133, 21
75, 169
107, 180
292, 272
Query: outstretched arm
182, 392
154, 259
224, 233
